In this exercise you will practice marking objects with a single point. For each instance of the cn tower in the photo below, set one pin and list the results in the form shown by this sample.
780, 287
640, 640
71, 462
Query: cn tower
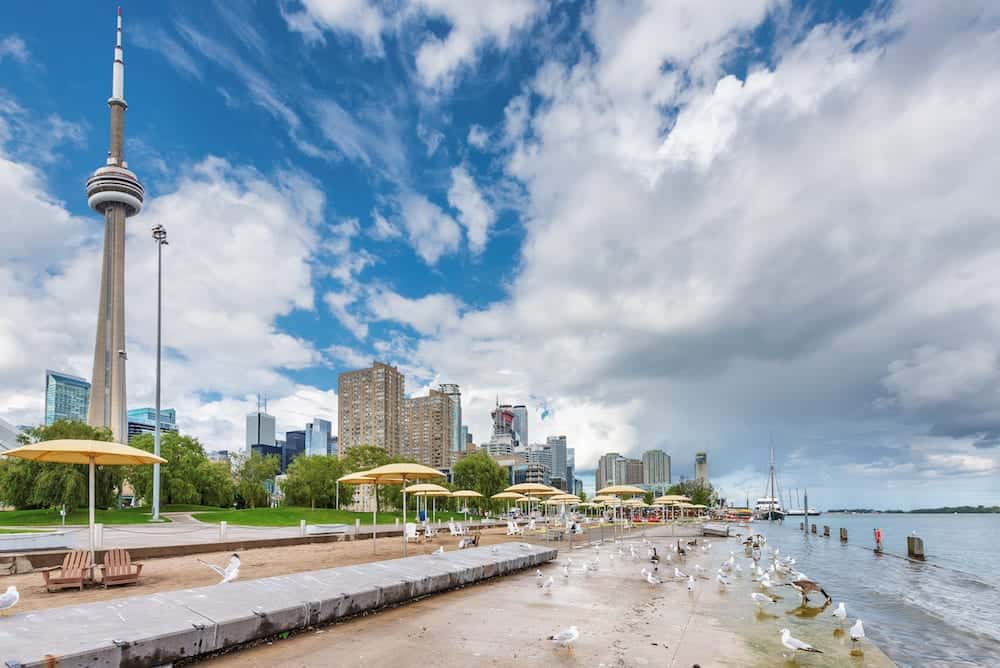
114, 192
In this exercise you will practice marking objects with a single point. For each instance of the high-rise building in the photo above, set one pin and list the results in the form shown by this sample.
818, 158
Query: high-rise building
629, 471
570, 469
578, 487
701, 467
318, 437
541, 455
66, 397
114, 192
428, 421
295, 445
260, 430
455, 394
503, 441
520, 425
465, 437
655, 469
143, 421
605, 473
557, 445
8, 436
332, 446
370, 408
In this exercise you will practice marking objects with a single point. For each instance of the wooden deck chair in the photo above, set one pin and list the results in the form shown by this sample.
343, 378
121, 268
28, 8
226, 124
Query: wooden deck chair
76, 570
411, 532
119, 569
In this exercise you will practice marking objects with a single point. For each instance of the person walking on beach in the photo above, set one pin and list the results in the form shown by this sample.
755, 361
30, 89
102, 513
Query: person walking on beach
878, 540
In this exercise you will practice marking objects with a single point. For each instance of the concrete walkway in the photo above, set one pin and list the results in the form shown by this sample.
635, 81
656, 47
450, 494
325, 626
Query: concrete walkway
160, 628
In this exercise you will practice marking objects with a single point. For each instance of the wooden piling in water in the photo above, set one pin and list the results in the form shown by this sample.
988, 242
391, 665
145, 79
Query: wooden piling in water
826, 531
802, 526
814, 528
843, 535
915, 547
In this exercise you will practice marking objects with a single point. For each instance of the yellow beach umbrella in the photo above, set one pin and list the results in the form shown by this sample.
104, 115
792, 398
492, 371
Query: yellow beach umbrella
403, 472
530, 488
92, 453
359, 478
622, 490
428, 489
508, 495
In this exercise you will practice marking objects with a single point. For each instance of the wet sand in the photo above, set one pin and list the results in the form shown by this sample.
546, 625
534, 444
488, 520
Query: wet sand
623, 621
173, 573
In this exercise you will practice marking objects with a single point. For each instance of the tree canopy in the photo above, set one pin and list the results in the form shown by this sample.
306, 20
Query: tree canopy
252, 475
312, 481
699, 492
188, 477
27, 484
481, 473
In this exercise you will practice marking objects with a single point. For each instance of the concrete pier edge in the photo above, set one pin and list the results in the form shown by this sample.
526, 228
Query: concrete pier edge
158, 629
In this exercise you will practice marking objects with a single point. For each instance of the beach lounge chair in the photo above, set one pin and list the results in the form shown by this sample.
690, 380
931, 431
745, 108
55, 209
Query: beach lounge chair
456, 529
119, 569
411, 532
469, 541
429, 531
531, 524
76, 570
514, 530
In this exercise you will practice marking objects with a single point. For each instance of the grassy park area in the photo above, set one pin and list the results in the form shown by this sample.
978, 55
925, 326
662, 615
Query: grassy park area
48, 517
287, 516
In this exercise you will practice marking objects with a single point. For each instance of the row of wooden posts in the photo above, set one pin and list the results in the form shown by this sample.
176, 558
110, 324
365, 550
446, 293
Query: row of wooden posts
914, 544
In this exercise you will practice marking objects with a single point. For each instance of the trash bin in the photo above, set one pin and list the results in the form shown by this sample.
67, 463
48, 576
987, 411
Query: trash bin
423, 515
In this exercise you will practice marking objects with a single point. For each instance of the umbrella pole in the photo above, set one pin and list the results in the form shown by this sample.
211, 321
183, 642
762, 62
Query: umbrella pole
404, 518
374, 519
91, 496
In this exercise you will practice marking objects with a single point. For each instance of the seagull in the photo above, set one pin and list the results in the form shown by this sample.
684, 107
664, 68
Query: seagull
765, 582
650, 578
566, 637
565, 570
547, 585
9, 599
760, 599
679, 574
524, 546
721, 579
654, 559
690, 583
857, 631
795, 644
438, 551
700, 572
231, 571
841, 612
739, 571
538, 578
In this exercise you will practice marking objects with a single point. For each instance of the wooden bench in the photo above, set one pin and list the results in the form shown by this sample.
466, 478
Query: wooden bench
119, 569
76, 570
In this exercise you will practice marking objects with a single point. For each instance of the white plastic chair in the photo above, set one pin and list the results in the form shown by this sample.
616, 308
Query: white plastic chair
411, 532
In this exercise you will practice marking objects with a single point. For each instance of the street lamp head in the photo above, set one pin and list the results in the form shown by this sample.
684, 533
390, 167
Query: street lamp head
160, 234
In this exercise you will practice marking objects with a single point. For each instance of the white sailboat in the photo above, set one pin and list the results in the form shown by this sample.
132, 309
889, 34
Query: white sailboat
768, 507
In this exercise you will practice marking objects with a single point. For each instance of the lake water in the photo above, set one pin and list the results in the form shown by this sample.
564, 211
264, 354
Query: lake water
943, 612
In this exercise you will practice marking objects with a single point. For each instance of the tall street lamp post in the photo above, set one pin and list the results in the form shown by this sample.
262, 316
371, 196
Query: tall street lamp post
160, 237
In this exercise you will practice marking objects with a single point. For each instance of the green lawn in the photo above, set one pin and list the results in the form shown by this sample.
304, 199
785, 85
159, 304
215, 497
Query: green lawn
46, 517
187, 508
19, 531
288, 516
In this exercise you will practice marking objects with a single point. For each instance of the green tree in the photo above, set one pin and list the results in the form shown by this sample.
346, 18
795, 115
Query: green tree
312, 481
698, 492
252, 474
648, 498
481, 473
26, 484
365, 458
188, 477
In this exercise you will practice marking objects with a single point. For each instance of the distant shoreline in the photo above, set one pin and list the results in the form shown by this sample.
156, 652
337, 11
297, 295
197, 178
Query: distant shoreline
953, 510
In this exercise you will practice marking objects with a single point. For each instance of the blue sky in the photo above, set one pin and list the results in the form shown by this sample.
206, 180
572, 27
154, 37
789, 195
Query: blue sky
658, 224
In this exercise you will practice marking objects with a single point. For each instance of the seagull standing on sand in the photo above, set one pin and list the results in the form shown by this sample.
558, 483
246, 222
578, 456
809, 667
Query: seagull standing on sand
438, 552
679, 574
538, 578
9, 599
230, 572
857, 631
690, 583
566, 637
795, 644
721, 579
760, 599
841, 612
650, 578
547, 585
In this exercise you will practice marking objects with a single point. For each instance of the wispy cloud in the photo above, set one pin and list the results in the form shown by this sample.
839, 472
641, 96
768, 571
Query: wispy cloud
157, 39
14, 46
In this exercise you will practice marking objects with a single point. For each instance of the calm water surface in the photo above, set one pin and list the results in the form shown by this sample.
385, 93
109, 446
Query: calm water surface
944, 612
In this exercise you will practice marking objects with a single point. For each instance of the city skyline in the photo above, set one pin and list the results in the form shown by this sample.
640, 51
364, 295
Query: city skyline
646, 240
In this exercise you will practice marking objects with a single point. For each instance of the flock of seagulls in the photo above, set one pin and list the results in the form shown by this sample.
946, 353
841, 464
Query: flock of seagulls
780, 572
